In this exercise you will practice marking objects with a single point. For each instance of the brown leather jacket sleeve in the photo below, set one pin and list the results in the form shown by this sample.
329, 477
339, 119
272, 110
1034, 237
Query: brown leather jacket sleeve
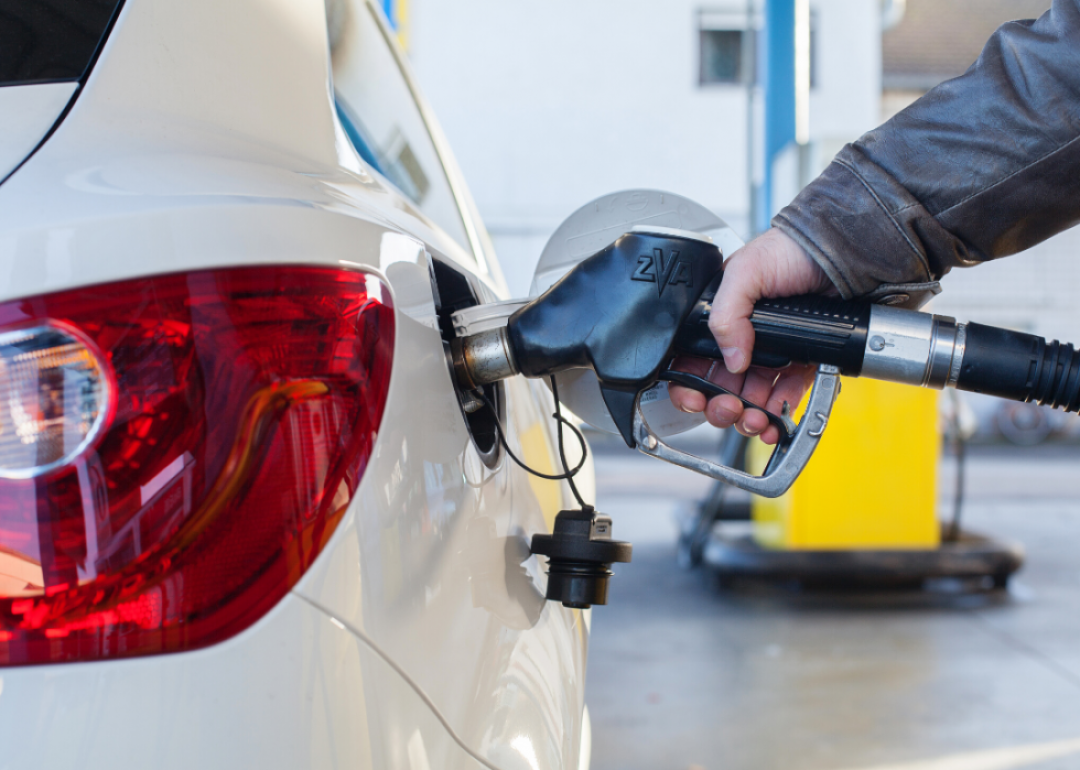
983, 166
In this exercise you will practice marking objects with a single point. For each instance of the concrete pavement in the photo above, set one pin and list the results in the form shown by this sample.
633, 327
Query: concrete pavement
683, 675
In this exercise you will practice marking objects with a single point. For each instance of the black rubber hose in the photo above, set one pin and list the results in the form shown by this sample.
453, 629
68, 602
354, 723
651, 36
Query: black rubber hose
1020, 367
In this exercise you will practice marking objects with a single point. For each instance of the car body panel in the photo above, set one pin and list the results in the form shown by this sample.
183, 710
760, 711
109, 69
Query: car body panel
297, 689
191, 146
27, 112
152, 139
435, 567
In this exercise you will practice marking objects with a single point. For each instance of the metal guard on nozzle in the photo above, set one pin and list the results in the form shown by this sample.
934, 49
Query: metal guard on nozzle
618, 313
793, 450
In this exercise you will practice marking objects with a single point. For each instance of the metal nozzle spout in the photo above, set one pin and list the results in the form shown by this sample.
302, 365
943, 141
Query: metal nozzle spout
483, 358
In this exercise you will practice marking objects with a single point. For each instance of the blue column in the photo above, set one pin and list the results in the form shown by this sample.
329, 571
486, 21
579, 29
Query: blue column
391, 15
776, 64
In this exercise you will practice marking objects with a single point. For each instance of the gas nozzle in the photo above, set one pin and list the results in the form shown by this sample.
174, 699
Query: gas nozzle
616, 313
619, 313
628, 310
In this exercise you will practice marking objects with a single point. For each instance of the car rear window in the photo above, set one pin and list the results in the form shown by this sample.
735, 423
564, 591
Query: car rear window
44, 41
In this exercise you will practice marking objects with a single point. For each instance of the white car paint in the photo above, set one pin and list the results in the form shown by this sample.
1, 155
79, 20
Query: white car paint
299, 689
206, 136
27, 112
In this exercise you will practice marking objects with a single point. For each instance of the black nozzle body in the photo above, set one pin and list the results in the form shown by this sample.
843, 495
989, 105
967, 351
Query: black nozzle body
617, 313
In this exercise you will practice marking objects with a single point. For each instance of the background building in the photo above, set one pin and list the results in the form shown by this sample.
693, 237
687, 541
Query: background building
550, 104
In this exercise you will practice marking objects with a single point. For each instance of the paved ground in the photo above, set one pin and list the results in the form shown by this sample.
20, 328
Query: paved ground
685, 676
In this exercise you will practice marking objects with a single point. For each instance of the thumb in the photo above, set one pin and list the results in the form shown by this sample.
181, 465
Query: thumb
771, 265
729, 321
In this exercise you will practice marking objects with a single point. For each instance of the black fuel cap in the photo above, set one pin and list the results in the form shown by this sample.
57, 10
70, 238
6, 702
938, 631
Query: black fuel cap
580, 553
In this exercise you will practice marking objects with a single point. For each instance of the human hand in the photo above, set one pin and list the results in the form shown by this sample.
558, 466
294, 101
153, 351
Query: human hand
771, 265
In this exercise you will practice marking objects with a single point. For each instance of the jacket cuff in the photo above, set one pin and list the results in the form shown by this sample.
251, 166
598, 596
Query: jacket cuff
910, 296
864, 229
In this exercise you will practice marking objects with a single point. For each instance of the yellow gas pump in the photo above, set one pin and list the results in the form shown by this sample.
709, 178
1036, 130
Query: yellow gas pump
872, 482
865, 508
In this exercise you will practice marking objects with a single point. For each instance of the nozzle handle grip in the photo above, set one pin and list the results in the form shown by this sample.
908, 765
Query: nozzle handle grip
805, 329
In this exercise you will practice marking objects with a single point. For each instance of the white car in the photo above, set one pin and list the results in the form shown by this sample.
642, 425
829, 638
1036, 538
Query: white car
244, 518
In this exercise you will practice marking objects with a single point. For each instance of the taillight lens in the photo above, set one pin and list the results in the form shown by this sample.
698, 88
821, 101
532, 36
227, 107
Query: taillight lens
212, 428
54, 399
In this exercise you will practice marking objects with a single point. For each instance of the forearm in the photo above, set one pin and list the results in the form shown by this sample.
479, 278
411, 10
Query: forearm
983, 166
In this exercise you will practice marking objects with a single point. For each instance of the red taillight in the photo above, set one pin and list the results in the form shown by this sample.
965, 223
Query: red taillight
246, 404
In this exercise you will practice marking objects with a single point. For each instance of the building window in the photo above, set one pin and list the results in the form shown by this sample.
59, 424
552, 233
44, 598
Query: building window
722, 56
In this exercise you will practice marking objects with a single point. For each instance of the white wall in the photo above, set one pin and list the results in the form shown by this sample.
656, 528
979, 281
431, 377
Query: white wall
550, 104
1037, 291
847, 101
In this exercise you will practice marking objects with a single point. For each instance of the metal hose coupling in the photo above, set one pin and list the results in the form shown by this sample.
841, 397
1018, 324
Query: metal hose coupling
936, 352
914, 348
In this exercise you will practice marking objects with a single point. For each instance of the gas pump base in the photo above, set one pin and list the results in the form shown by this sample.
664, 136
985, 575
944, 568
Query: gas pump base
967, 557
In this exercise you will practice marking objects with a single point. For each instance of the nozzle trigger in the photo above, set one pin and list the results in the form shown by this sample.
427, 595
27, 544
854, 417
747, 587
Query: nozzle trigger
793, 450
